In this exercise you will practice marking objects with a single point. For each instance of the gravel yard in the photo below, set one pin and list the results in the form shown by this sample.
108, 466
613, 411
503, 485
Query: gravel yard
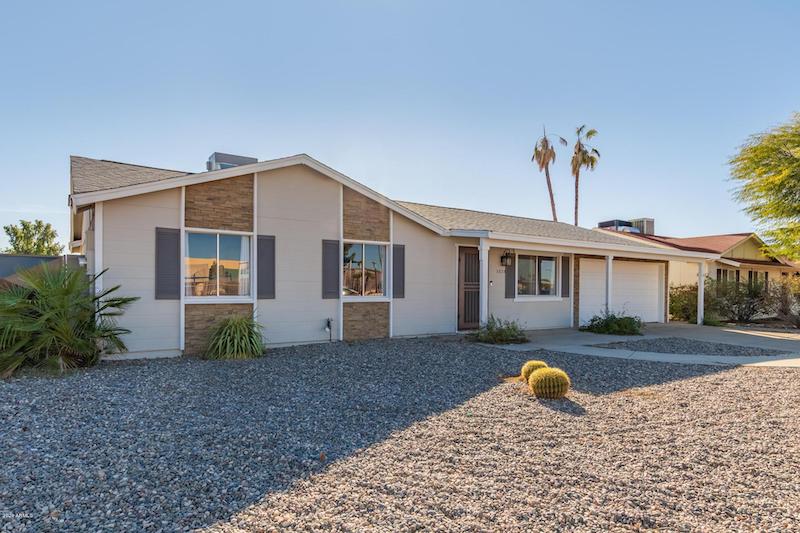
401, 435
688, 346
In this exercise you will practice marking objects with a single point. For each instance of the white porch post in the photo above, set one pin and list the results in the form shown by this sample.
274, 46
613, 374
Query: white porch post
609, 281
701, 285
484, 289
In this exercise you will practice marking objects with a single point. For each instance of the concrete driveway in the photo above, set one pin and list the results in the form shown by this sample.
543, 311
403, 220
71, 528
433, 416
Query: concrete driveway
580, 342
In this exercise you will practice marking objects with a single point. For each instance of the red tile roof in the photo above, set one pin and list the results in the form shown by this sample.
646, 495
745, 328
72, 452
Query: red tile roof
706, 243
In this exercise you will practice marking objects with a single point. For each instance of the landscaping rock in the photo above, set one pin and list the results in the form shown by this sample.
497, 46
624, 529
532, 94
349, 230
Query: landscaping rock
415, 435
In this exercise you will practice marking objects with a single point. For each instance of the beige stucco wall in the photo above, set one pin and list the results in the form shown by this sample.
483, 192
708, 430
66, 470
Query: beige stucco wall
530, 314
683, 273
129, 254
300, 207
429, 305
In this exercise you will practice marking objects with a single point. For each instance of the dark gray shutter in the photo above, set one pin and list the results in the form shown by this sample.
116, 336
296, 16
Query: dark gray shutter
565, 276
266, 267
511, 278
168, 264
766, 280
399, 271
330, 269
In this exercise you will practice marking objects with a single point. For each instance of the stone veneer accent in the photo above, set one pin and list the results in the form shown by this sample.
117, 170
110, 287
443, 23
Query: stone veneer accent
365, 320
223, 204
364, 219
200, 318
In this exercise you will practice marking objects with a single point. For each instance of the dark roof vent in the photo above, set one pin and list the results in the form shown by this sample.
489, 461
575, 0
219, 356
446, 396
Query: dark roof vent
219, 160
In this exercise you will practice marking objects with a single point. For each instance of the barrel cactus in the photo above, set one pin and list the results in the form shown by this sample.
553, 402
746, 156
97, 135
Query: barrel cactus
529, 367
549, 383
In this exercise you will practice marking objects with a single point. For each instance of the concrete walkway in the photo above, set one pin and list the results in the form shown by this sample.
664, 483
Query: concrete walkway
579, 342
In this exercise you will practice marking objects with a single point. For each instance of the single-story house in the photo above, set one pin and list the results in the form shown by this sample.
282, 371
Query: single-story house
739, 256
318, 256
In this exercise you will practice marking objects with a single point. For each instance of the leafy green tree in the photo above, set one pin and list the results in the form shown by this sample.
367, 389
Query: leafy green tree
544, 154
767, 169
32, 238
583, 156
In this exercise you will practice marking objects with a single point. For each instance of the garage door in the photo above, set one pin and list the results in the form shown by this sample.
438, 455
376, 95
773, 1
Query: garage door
636, 289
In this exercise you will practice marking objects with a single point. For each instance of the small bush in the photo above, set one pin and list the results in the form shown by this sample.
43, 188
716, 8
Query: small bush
683, 302
236, 337
786, 295
529, 367
614, 324
739, 301
54, 320
551, 383
499, 331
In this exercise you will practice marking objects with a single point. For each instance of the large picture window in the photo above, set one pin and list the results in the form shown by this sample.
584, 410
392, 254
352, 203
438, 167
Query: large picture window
537, 275
364, 269
217, 264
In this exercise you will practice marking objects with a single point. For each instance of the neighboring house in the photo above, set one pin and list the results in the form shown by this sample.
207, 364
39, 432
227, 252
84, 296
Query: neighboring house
740, 256
317, 256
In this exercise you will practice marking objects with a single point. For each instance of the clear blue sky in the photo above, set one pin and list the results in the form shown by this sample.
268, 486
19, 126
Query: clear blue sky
425, 101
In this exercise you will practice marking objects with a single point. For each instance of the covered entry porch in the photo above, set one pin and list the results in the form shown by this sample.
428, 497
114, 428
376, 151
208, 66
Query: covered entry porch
545, 285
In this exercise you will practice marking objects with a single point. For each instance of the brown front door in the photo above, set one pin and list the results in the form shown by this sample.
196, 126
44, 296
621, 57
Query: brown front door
469, 288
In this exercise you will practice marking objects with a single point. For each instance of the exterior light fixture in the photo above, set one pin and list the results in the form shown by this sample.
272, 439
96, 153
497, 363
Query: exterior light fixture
505, 259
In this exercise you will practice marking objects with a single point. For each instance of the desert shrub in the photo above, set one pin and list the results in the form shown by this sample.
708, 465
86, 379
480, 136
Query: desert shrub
614, 324
683, 303
236, 337
786, 299
739, 301
549, 383
529, 367
499, 331
53, 319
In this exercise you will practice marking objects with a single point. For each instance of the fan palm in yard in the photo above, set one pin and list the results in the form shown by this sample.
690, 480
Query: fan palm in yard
583, 156
544, 154
54, 319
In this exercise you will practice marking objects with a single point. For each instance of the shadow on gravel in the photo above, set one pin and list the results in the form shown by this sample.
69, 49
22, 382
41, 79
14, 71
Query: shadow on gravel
180, 444
184, 443
564, 405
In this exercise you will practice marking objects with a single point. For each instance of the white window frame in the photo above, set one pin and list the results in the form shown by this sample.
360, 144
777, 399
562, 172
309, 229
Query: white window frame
220, 299
538, 297
386, 277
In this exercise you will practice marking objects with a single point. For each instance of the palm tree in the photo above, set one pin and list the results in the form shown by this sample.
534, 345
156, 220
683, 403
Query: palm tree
544, 154
583, 156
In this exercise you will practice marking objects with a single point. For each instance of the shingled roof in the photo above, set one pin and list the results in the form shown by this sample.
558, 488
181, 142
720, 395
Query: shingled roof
91, 175
453, 218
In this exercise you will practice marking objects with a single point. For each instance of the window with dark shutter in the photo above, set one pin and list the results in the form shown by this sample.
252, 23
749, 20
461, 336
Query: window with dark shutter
565, 276
330, 269
399, 271
266, 267
168, 264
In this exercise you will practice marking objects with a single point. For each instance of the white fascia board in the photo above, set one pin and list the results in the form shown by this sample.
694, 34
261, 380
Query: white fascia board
729, 262
264, 166
603, 248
